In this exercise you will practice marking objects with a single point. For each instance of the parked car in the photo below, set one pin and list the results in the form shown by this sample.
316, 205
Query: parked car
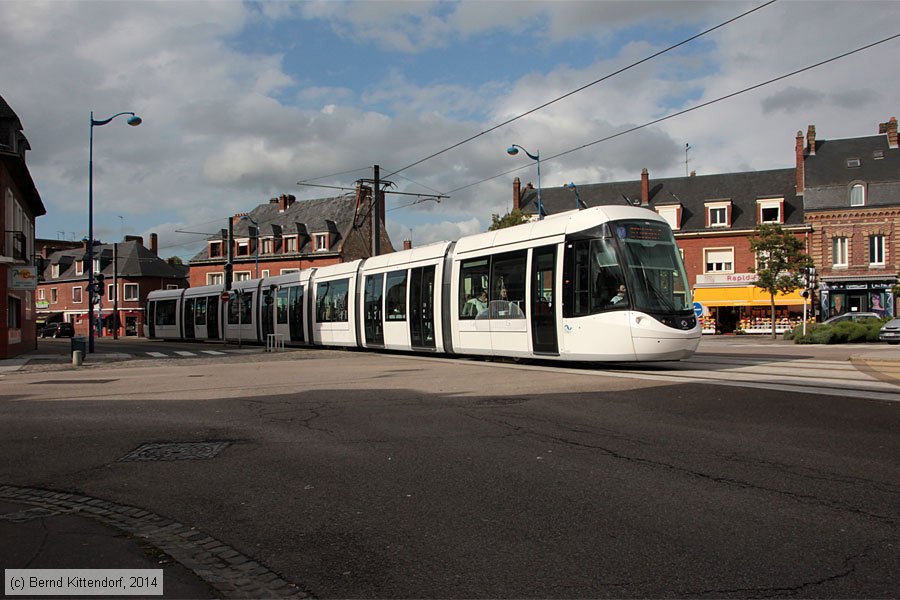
890, 333
851, 316
58, 330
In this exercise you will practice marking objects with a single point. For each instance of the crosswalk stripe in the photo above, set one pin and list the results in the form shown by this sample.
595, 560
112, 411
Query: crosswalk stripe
157, 354
184, 353
213, 352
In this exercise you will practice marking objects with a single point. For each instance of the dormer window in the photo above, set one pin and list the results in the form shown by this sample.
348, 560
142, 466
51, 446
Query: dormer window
243, 248
321, 241
215, 249
54, 271
289, 244
672, 215
718, 214
770, 210
857, 195
852, 163
267, 245
79, 267
97, 265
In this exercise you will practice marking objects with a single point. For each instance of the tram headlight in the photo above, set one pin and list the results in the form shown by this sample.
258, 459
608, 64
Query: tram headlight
683, 322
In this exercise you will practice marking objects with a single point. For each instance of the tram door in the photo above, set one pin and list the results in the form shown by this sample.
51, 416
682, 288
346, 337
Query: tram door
189, 319
212, 317
374, 325
267, 310
543, 300
295, 313
421, 307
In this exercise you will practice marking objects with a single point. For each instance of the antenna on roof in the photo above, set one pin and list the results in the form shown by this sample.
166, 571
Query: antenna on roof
686, 148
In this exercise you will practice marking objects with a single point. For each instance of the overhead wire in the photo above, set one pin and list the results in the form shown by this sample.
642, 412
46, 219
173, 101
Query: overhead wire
584, 87
685, 111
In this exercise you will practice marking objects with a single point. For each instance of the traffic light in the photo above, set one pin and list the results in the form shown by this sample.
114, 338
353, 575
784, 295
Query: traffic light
100, 287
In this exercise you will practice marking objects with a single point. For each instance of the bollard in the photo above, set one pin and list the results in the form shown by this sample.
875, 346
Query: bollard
77, 358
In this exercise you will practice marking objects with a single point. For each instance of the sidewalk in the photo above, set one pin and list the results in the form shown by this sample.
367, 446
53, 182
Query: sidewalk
42, 538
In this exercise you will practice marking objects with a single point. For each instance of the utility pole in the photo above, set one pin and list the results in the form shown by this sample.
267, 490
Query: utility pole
376, 203
115, 293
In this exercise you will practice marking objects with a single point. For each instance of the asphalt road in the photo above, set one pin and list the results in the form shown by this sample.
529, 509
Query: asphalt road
359, 475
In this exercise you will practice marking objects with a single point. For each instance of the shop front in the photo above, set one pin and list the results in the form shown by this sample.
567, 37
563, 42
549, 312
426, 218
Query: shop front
843, 295
731, 304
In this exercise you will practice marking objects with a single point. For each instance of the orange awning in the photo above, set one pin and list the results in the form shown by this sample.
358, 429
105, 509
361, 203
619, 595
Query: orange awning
748, 295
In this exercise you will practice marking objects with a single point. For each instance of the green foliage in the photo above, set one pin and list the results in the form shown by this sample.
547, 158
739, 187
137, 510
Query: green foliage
175, 260
779, 259
845, 332
515, 217
896, 289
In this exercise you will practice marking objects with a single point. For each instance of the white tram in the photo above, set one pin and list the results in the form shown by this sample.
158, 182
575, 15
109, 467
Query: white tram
601, 284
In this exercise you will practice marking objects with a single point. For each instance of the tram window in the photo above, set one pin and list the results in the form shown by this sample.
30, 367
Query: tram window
331, 301
474, 285
396, 296
165, 312
592, 278
200, 311
282, 305
240, 310
508, 286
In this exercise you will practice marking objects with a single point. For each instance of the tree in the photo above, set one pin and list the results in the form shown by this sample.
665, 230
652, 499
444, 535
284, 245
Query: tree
779, 260
175, 260
515, 217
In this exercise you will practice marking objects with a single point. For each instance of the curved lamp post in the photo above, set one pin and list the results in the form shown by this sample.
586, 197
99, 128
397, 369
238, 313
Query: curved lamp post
512, 151
578, 203
134, 121
256, 247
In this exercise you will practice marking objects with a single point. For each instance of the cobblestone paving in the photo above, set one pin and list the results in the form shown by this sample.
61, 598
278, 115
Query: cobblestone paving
230, 573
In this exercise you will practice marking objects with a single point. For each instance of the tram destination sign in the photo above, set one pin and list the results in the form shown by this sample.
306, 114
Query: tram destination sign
643, 231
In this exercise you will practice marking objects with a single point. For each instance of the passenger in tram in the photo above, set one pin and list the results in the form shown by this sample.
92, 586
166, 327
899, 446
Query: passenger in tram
620, 296
476, 305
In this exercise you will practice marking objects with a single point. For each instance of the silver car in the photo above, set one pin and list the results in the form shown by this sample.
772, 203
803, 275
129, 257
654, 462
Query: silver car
890, 333
851, 316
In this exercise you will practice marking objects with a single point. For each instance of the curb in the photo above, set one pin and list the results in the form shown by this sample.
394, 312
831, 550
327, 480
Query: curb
227, 571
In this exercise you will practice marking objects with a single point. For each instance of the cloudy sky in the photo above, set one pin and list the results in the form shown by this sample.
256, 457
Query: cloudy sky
241, 100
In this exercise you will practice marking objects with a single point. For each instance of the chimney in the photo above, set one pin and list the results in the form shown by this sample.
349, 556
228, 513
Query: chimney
407, 244
285, 201
798, 153
811, 140
134, 238
154, 244
517, 194
645, 187
237, 218
890, 128
273, 200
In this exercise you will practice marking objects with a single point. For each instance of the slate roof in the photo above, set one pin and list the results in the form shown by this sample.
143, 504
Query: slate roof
828, 166
743, 189
828, 178
306, 217
134, 261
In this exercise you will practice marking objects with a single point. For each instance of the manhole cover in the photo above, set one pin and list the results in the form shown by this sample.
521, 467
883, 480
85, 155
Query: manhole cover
175, 451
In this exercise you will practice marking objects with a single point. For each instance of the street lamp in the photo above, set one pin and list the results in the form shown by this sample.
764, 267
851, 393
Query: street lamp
134, 121
512, 151
256, 240
578, 203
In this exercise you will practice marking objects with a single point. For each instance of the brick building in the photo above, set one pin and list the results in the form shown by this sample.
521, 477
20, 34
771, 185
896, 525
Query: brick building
20, 205
851, 198
292, 236
712, 217
130, 271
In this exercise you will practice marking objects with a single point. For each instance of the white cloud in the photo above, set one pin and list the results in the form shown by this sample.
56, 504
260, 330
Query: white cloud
227, 127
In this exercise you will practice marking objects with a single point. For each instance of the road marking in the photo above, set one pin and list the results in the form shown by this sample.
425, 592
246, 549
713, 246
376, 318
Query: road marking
213, 352
157, 355
184, 353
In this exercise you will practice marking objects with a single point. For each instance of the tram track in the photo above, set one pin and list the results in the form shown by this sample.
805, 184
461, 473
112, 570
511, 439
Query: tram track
871, 380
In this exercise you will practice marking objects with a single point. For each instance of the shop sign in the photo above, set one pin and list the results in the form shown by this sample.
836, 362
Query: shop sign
42, 305
726, 278
23, 278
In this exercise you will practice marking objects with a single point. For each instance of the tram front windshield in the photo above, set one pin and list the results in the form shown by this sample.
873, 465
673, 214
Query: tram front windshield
625, 265
653, 266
